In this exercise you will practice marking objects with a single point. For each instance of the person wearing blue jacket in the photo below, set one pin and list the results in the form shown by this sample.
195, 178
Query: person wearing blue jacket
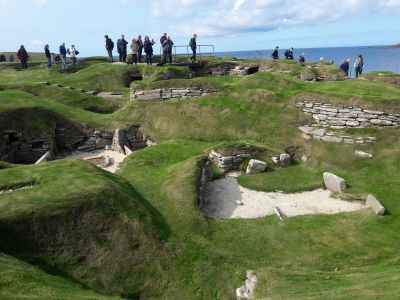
122, 48
63, 55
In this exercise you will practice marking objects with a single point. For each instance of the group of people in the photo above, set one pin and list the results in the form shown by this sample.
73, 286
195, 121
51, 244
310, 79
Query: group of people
345, 66
138, 46
24, 57
358, 66
3, 58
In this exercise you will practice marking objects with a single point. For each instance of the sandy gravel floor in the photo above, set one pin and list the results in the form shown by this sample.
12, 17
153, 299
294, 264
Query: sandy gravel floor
115, 157
223, 194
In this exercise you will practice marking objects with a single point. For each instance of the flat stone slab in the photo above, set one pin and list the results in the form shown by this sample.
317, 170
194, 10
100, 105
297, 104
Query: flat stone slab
334, 183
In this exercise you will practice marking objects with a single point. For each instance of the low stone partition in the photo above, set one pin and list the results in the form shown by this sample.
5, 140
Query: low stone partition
119, 140
323, 134
243, 70
228, 163
327, 115
170, 93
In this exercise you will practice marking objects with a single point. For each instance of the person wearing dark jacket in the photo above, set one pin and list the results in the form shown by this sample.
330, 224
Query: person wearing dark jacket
289, 53
122, 48
302, 58
63, 55
11, 58
164, 54
359, 65
140, 42
345, 66
109, 47
275, 54
23, 57
148, 49
167, 50
193, 46
48, 56
2, 57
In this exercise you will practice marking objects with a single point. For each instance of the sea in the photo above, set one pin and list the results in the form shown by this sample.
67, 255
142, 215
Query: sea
376, 58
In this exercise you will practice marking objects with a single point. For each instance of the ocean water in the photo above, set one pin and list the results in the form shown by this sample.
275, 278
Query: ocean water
376, 58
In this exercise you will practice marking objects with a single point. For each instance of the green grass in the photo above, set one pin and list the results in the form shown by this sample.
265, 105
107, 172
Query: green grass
288, 180
19, 280
140, 233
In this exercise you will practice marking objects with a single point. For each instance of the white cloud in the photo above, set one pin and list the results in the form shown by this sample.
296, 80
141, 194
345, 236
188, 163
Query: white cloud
24, 2
224, 17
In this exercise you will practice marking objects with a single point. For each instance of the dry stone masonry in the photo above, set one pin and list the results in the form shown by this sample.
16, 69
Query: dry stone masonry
206, 175
246, 291
170, 93
228, 163
326, 115
325, 135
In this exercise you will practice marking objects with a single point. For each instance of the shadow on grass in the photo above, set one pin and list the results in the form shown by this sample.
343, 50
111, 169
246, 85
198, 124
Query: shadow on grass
157, 218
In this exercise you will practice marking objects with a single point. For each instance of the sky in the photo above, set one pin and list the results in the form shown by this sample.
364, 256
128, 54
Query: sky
228, 25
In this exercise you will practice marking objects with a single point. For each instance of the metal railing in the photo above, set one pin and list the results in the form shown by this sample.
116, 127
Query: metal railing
189, 50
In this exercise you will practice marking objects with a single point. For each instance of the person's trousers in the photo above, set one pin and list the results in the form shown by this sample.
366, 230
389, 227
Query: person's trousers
358, 71
194, 54
140, 54
49, 63
24, 64
73, 62
149, 58
135, 58
110, 55
63, 61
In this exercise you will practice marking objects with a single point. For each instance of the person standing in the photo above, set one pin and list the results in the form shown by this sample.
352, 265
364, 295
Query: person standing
63, 55
359, 65
302, 58
148, 49
11, 58
275, 54
345, 66
289, 53
167, 50
135, 50
140, 42
23, 57
48, 56
73, 53
2, 57
109, 47
121, 48
193, 46
164, 54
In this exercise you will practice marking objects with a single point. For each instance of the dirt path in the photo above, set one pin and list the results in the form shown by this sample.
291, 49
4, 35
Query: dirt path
223, 194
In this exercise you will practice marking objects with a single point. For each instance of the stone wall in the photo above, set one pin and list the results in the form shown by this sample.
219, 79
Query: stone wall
170, 93
206, 175
228, 163
21, 147
327, 115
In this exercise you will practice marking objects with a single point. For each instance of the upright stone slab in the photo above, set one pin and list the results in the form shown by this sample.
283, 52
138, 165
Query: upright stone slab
284, 160
376, 206
334, 183
119, 141
256, 166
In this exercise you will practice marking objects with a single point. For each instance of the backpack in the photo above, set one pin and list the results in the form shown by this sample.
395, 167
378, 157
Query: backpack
112, 44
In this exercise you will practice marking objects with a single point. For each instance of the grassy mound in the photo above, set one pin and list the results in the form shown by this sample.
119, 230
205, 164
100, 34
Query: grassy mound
140, 233
96, 231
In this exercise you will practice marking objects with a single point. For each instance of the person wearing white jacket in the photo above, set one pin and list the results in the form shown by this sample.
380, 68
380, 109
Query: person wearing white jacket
73, 53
